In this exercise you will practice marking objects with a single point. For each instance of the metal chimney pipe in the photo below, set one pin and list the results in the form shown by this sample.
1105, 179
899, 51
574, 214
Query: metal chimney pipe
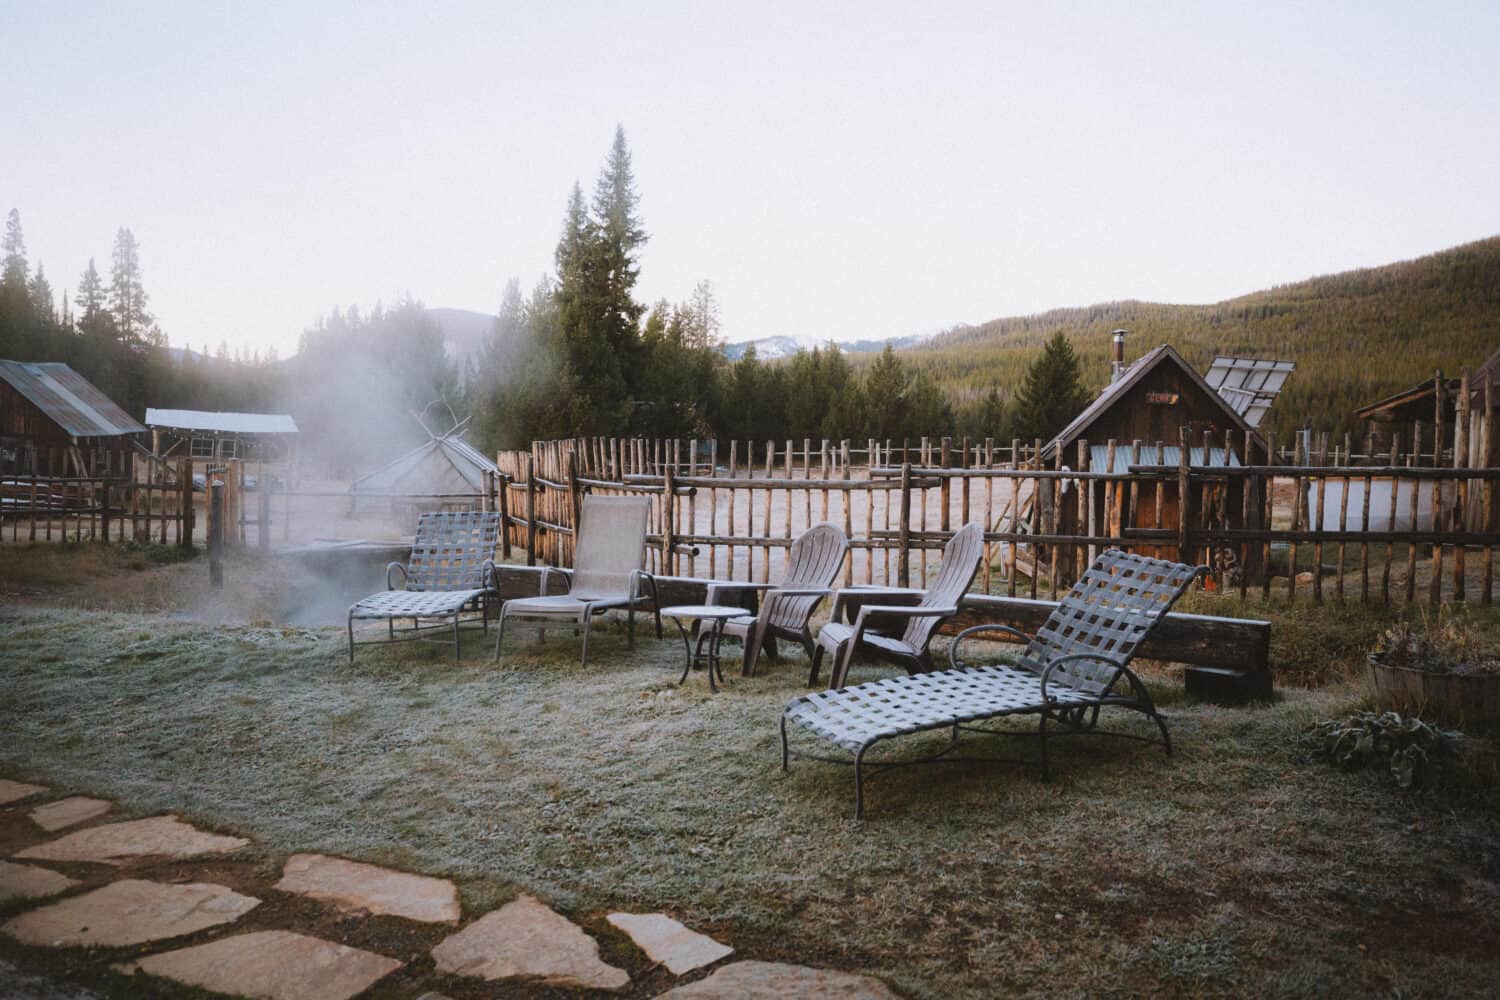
1118, 368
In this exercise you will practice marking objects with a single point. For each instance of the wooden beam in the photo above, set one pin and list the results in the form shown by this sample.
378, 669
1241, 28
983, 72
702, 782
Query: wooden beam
1241, 644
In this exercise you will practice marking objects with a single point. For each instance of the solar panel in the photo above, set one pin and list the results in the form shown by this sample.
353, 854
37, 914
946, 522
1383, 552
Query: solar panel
1249, 385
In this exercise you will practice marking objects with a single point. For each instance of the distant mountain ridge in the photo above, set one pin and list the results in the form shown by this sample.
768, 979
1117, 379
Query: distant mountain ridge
464, 331
1356, 335
784, 347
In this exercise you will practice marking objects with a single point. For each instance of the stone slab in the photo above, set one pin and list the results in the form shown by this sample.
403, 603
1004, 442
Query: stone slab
274, 965
666, 941
15, 791
352, 885
774, 980
114, 842
67, 812
130, 911
28, 882
525, 939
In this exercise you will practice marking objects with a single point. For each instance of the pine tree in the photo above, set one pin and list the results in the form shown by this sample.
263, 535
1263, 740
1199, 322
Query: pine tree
127, 295
13, 274
39, 291
1052, 392
885, 396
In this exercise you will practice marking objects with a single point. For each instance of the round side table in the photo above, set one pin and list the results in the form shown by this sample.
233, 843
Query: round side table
716, 613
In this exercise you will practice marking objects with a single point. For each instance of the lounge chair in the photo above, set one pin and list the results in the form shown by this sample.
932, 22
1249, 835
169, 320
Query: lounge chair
812, 563
451, 570
1075, 665
608, 572
960, 562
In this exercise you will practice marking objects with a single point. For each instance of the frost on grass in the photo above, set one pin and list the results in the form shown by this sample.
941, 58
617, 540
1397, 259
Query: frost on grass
607, 787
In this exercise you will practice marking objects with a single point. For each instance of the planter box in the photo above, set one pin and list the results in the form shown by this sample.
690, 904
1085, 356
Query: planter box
1456, 699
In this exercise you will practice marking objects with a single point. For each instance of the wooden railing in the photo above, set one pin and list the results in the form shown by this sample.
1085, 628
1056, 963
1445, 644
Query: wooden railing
99, 508
1386, 532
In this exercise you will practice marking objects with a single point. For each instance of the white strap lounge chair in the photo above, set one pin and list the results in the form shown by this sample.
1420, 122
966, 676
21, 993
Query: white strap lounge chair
451, 570
608, 572
1075, 665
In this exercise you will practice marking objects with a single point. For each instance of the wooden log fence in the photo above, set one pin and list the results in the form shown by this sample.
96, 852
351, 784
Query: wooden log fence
1384, 531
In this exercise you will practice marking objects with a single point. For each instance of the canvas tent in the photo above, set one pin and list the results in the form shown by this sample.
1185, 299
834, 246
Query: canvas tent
443, 465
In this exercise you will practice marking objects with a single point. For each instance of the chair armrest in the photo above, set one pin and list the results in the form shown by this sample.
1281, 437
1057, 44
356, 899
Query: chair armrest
953, 660
547, 572
404, 576
1120, 668
906, 611
864, 592
798, 592
639, 576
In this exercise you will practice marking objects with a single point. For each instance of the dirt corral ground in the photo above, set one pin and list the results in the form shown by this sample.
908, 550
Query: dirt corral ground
1238, 866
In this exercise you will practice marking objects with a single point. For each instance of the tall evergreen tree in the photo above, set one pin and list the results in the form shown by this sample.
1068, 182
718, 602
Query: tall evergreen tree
39, 290
90, 294
13, 271
1052, 392
127, 293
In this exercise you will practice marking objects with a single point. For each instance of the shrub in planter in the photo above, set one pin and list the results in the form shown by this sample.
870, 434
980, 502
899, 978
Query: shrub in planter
1442, 667
1409, 747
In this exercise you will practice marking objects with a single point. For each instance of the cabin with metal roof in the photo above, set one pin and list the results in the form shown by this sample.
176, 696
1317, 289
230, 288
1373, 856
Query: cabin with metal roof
1439, 399
215, 435
54, 422
1137, 420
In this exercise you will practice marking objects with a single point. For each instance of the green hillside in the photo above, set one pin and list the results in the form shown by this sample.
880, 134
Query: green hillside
1356, 336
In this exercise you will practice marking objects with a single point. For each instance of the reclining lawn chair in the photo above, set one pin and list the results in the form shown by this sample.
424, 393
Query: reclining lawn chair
608, 572
1075, 665
811, 564
960, 562
451, 571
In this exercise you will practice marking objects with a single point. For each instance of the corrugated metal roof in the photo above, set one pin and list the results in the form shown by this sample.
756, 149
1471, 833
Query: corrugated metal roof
1164, 354
1250, 385
221, 422
1170, 455
68, 399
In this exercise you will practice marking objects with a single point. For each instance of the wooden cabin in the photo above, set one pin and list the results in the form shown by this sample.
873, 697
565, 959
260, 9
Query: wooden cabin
210, 437
1143, 411
54, 422
1408, 413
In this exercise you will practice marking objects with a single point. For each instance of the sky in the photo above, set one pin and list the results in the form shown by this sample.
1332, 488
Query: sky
837, 171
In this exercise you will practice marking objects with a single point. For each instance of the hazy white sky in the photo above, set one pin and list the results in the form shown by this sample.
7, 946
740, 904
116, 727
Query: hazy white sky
836, 170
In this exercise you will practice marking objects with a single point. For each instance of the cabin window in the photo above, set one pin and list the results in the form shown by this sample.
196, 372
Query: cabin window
202, 447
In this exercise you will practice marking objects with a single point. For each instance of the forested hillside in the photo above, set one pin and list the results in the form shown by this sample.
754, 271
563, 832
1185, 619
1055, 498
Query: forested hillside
1356, 336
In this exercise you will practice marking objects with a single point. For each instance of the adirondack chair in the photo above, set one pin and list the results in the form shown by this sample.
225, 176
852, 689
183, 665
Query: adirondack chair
608, 572
960, 562
451, 570
811, 565
1075, 665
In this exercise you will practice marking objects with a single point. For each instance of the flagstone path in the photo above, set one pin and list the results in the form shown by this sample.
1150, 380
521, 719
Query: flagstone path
28, 882
526, 939
109, 845
351, 885
666, 941
523, 943
63, 813
275, 965
15, 791
130, 911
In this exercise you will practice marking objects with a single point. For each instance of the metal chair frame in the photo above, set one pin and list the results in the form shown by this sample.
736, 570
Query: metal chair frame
1072, 668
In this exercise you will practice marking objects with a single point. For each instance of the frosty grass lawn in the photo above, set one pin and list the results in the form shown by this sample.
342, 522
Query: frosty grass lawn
1238, 865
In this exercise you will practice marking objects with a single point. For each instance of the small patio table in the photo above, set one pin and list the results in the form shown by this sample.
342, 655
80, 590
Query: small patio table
718, 614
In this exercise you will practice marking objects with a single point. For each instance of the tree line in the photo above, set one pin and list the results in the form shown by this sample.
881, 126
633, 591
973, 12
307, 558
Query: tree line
579, 356
106, 332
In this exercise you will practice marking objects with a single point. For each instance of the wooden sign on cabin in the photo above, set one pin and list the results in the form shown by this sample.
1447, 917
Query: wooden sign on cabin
1162, 398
